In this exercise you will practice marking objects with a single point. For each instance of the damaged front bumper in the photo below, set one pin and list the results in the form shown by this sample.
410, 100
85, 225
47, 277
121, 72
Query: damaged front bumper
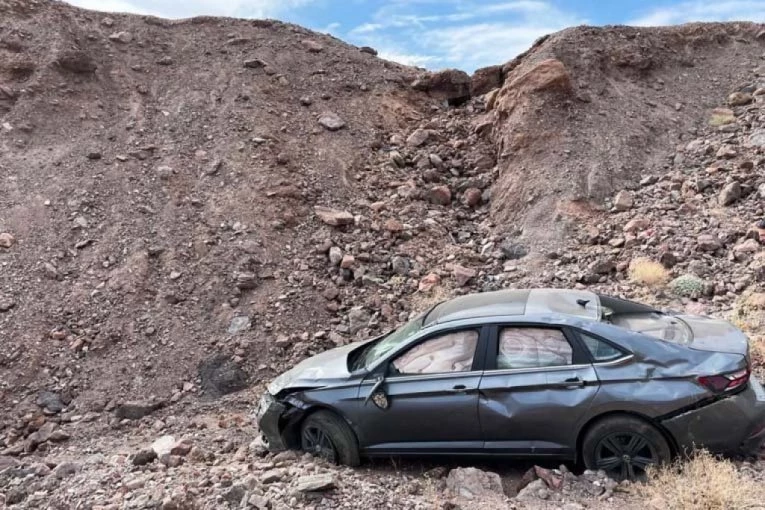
278, 421
268, 416
731, 425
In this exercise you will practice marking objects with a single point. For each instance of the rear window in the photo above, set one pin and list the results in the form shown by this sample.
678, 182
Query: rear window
655, 324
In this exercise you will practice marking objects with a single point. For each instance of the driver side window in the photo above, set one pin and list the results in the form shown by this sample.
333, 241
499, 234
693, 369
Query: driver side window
450, 352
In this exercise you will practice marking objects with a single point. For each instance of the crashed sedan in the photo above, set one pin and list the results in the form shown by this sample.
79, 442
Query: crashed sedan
553, 373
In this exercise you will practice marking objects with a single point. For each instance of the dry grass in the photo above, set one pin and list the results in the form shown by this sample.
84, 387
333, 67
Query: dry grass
647, 272
720, 119
702, 482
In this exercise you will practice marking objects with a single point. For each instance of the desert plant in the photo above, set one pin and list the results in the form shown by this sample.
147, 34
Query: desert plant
702, 482
721, 118
687, 285
648, 272
749, 312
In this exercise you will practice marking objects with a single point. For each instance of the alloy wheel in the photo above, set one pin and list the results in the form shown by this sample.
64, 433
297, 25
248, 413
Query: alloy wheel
317, 442
625, 456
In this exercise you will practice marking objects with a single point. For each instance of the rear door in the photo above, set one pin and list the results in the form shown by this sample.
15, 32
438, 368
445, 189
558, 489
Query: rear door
537, 386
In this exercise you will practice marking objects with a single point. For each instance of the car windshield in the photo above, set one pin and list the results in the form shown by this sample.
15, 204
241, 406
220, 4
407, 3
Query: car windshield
376, 350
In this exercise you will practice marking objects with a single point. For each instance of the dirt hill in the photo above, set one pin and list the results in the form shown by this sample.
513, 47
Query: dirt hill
187, 207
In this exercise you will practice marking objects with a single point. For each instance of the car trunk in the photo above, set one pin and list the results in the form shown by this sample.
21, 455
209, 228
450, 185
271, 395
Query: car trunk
696, 332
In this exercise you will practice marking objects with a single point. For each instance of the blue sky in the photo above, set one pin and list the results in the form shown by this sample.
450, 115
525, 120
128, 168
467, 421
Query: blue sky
437, 34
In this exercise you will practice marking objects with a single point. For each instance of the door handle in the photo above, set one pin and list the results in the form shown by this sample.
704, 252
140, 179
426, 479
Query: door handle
460, 388
572, 382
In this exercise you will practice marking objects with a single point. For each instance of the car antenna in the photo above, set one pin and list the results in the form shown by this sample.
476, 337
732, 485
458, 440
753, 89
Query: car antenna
582, 302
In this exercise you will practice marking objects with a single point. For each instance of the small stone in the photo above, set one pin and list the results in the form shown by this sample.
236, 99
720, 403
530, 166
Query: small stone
708, 243
428, 282
50, 401
164, 172
254, 63
121, 37
462, 275
400, 265
335, 256
6, 305
730, 193
394, 226
623, 201
418, 137
239, 324
333, 217
331, 121
313, 46
636, 225
368, 49
7, 240
163, 445
274, 475
740, 99
306, 101
93, 155
440, 195
166, 60
347, 262
135, 410
65, 469
143, 457
472, 197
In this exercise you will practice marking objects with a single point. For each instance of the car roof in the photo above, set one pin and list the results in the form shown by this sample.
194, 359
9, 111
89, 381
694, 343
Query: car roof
516, 302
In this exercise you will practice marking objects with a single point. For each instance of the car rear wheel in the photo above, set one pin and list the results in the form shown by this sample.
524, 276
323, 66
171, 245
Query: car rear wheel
624, 447
326, 435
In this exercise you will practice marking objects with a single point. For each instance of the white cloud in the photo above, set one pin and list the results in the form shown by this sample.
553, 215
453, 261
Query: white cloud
409, 59
701, 10
479, 45
188, 8
366, 28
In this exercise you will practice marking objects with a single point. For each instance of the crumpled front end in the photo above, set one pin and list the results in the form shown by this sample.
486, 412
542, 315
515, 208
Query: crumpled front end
731, 425
268, 416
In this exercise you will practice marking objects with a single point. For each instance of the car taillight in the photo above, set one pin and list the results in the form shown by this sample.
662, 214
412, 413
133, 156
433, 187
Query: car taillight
725, 382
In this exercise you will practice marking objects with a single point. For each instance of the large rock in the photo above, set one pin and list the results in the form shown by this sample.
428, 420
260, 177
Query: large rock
450, 85
485, 79
471, 483
220, 376
730, 193
50, 401
333, 217
77, 62
315, 483
135, 410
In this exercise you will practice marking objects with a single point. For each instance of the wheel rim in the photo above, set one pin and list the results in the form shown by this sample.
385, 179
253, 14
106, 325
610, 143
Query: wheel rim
317, 442
625, 456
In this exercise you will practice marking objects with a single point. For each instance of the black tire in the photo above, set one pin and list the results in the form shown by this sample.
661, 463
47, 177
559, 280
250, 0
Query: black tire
624, 446
326, 435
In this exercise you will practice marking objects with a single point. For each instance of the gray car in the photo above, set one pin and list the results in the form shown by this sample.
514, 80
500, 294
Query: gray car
535, 373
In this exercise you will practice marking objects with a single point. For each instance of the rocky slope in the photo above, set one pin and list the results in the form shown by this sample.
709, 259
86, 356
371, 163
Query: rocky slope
189, 207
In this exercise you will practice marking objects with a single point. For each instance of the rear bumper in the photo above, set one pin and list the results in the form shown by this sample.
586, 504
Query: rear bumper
732, 425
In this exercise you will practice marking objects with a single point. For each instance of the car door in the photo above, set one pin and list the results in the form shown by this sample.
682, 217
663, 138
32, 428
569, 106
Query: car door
537, 385
430, 395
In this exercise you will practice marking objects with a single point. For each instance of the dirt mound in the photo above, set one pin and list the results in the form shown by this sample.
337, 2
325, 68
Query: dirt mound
589, 111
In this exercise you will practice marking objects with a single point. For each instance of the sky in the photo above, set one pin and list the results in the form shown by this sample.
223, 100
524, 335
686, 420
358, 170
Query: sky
439, 34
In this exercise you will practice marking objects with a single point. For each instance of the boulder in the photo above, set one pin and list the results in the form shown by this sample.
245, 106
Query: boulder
451, 85
472, 483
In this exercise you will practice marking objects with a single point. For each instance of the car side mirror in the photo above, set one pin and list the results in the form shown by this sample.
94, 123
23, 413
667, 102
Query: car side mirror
377, 394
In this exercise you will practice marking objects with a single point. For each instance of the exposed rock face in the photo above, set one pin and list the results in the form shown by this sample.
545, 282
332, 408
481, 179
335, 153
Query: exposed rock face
450, 85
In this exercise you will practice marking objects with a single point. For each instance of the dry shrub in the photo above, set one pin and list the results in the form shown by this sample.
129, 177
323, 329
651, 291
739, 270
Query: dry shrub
647, 272
721, 118
702, 482
749, 312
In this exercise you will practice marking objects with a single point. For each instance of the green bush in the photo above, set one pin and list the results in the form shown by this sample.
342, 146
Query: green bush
687, 285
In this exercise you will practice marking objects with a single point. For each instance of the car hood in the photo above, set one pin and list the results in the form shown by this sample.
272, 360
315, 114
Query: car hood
715, 335
320, 370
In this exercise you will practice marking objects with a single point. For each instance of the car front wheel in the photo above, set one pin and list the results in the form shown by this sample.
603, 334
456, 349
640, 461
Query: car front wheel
624, 447
326, 435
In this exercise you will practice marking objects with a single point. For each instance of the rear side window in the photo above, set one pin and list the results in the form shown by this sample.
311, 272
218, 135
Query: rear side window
600, 350
533, 348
